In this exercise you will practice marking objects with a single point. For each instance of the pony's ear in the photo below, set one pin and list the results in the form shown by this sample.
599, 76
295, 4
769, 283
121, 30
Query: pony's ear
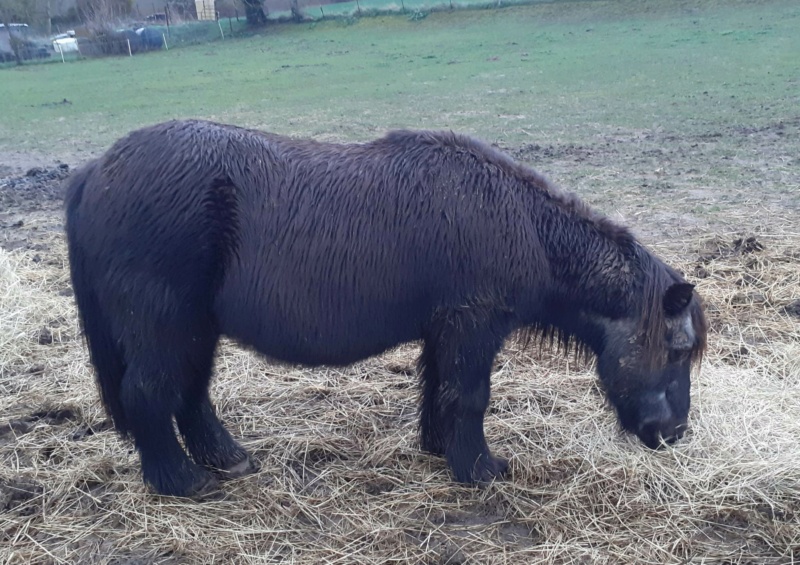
677, 298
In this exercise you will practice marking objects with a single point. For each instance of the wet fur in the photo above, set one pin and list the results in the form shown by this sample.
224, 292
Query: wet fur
317, 253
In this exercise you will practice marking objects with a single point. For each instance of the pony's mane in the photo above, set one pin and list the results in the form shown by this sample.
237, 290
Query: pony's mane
654, 275
652, 323
551, 338
489, 155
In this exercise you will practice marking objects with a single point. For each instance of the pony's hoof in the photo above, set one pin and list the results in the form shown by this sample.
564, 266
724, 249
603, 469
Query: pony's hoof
246, 466
489, 468
205, 485
205, 489
486, 469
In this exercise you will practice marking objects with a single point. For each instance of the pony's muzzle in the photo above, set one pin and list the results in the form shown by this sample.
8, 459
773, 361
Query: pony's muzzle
656, 435
658, 426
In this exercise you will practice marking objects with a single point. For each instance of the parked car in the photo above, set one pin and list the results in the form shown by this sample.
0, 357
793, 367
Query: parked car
65, 42
27, 48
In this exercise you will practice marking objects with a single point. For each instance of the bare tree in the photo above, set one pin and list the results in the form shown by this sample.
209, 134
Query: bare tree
101, 16
297, 13
254, 10
8, 10
49, 14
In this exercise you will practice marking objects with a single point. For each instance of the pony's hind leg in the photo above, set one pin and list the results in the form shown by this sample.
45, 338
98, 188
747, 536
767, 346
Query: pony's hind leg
432, 429
151, 393
465, 347
209, 442
206, 439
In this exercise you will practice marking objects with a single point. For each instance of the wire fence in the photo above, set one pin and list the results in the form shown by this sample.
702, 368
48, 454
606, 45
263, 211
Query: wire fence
358, 8
167, 29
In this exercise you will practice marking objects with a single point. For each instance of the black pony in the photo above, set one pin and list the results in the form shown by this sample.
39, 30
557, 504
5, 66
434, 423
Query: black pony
316, 253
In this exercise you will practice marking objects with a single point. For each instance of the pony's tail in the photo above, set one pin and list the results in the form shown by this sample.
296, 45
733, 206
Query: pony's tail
104, 350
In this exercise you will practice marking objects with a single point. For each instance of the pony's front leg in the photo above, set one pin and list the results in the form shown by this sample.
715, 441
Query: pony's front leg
465, 350
467, 453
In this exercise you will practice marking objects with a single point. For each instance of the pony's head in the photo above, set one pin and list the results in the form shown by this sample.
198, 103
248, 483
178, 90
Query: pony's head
645, 362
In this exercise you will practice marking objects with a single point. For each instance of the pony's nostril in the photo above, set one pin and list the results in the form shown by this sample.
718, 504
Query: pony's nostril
681, 430
650, 434
656, 433
672, 436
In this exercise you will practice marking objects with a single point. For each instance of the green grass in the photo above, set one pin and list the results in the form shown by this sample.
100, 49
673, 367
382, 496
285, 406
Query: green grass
560, 72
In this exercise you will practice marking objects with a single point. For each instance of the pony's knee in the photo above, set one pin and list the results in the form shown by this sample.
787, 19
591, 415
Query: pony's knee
474, 396
146, 398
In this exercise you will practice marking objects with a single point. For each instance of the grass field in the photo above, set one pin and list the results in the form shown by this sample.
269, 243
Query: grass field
562, 72
681, 119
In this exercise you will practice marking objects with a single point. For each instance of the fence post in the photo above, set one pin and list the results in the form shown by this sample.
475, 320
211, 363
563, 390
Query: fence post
129, 47
61, 51
165, 41
220, 29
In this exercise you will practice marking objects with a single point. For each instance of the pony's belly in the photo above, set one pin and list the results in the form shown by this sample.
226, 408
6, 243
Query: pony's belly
318, 354
330, 338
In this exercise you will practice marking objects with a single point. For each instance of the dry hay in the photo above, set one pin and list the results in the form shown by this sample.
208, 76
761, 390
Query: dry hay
342, 479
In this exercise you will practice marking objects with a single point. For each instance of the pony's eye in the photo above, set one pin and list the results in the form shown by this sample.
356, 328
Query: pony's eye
678, 355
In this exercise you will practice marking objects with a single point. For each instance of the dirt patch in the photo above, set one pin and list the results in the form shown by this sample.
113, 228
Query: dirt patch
719, 248
778, 129
793, 308
533, 152
17, 494
14, 163
31, 215
37, 189
48, 416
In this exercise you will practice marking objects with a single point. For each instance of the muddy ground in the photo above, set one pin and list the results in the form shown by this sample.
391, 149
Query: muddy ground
30, 205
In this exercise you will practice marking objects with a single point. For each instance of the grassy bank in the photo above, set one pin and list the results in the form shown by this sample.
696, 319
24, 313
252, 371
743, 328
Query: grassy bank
564, 72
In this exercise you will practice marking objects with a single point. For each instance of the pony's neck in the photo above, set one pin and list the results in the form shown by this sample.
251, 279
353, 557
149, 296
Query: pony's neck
594, 275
